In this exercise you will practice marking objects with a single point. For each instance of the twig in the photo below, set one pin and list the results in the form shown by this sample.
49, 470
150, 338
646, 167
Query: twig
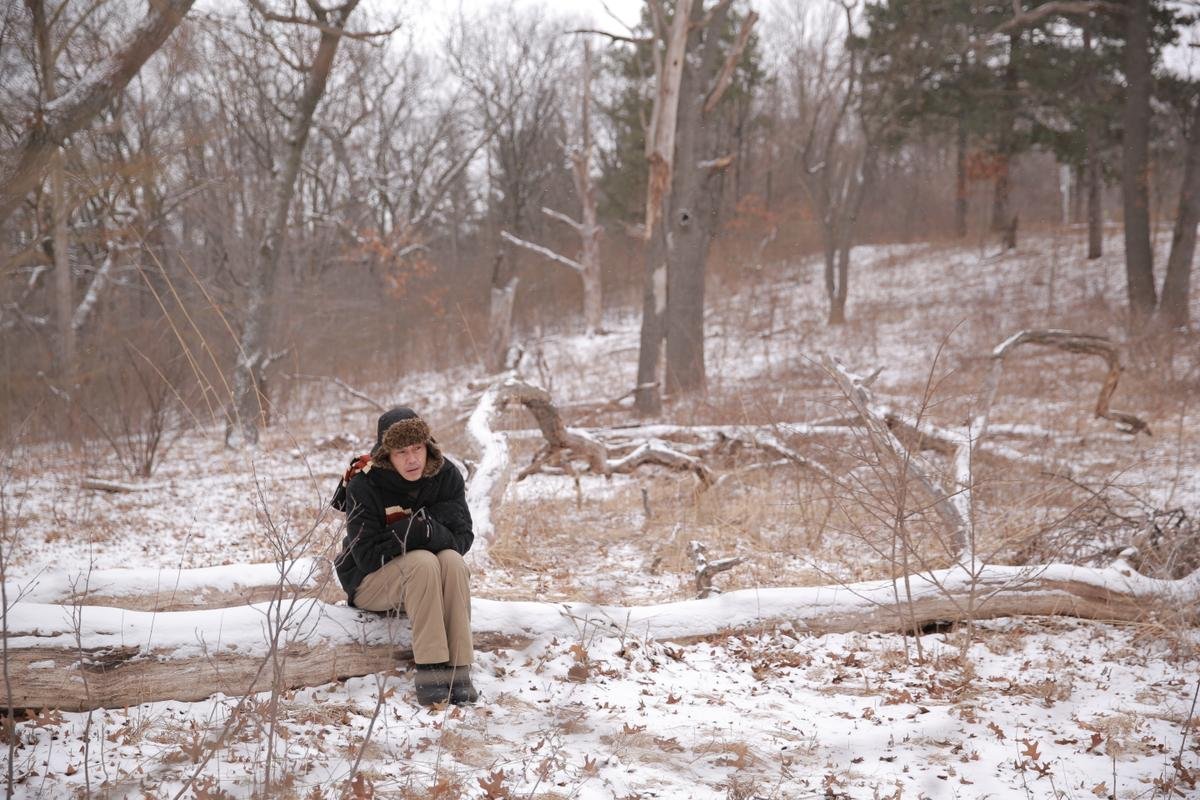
705, 569
343, 386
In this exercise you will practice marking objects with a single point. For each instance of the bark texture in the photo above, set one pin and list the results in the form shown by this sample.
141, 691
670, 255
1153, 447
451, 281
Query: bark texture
1177, 285
22, 168
1135, 164
691, 221
130, 657
660, 156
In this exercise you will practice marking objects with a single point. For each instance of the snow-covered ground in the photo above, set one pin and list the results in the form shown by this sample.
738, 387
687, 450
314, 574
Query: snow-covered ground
1031, 707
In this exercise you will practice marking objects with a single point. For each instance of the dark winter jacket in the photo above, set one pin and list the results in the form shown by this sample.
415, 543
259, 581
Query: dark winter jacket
386, 515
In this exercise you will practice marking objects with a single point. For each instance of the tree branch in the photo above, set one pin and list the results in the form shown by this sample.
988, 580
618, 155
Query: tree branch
561, 217
616, 37
725, 76
25, 164
1028, 19
542, 251
321, 24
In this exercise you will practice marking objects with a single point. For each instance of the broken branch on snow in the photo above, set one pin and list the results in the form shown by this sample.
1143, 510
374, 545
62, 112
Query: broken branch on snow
1071, 342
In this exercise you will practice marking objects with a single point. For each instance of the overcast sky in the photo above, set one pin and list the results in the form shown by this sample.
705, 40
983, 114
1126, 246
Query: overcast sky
429, 17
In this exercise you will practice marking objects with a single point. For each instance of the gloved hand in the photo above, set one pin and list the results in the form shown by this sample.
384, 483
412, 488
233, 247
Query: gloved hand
412, 532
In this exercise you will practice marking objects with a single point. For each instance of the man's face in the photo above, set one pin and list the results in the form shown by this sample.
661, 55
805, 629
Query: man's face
409, 461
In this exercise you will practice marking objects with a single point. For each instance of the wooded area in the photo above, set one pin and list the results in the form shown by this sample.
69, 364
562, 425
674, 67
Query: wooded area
638, 276
193, 206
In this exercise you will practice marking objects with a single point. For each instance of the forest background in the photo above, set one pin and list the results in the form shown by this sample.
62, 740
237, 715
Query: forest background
230, 225
188, 240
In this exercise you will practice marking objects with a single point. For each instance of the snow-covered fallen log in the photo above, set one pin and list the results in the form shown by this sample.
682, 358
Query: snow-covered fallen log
90, 656
116, 487
173, 589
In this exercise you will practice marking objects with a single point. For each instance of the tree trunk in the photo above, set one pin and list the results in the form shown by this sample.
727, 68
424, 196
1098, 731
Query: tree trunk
64, 306
248, 402
1078, 193
24, 165
1135, 164
691, 222
1002, 216
59, 207
837, 297
960, 181
500, 313
660, 156
1095, 200
590, 228
1093, 165
132, 657
837, 302
648, 394
1176, 289
1000, 195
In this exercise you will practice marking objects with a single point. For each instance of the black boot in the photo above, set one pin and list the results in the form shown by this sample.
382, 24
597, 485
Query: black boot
462, 691
432, 683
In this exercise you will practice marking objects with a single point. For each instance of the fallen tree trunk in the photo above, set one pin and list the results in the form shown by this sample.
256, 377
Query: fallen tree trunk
169, 589
82, 657
486, 487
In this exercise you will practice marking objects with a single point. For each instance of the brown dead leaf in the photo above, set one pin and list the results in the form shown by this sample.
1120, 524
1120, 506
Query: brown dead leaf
46, 717
1100, 789
669, 745
360, 788
444, 789
493, 787
1031, 749
194, 749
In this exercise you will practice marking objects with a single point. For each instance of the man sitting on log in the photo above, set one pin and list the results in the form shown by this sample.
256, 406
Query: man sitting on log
407, 529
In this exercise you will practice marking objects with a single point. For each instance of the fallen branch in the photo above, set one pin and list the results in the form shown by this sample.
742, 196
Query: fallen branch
705, 569
132, 657
487, 486
180, 589
950, 513
102, 485
347, 388
1071, 342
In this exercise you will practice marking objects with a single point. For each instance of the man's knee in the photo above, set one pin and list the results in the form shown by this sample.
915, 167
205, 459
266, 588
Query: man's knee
452, 563
420, 564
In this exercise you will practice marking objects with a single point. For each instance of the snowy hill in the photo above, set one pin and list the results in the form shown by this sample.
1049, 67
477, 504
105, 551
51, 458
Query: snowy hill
1019, 707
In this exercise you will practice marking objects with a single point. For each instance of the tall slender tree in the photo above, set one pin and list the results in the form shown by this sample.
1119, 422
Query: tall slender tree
249, 402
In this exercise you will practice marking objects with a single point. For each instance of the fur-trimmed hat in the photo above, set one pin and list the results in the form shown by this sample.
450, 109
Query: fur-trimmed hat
400, 427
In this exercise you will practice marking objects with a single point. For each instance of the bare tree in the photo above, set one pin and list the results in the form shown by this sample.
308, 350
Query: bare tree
587, 266
60, 116
1135, 163
696, 190
513, 80
670, 53
835, 148
248, 401
1176, 288
693, 70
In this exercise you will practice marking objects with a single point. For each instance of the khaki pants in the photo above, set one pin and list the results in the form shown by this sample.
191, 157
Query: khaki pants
435, 593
